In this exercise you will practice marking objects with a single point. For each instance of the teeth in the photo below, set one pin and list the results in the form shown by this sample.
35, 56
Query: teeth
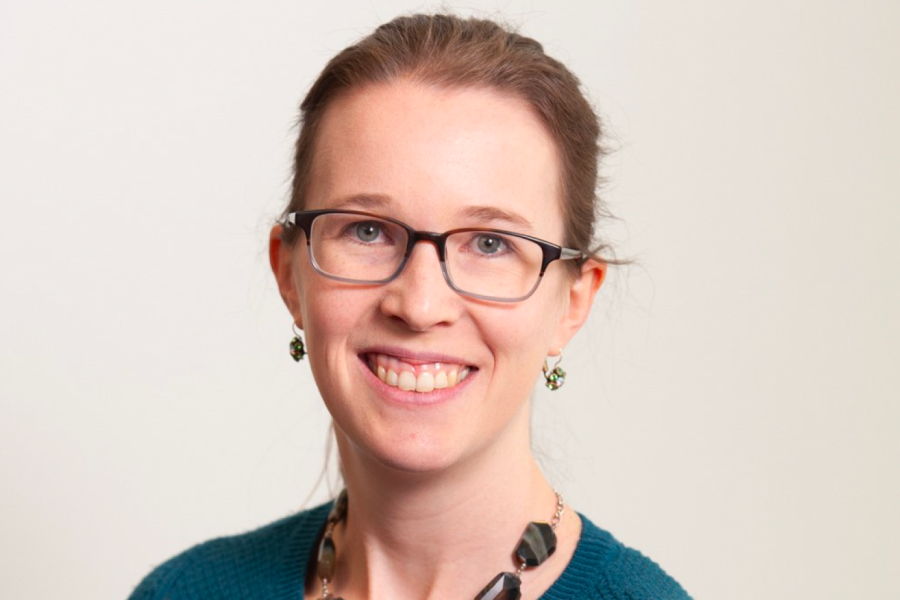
425, 382
407, 381
422, 378
440, 381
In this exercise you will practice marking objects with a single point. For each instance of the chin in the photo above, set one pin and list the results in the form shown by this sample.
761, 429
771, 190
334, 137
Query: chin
418, 465
405, 450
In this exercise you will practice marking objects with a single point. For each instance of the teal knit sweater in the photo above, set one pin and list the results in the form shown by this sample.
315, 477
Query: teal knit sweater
270, 563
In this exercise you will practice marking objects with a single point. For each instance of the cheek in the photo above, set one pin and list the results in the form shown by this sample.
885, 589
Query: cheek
329, 311
331, 317
523, 336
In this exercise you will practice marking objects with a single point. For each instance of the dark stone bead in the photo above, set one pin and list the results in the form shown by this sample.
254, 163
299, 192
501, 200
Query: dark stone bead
505, 586
538, 543
327, 552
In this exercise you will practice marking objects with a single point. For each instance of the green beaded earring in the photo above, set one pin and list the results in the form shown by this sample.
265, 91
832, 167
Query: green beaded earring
298, 350
555, 377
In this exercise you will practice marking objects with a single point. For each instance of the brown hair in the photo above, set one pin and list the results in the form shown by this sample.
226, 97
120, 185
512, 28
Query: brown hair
450, 51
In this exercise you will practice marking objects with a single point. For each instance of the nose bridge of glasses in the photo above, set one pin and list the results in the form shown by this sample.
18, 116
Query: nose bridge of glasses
438, 239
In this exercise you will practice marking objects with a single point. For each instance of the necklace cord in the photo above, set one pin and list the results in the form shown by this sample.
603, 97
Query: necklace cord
537, 544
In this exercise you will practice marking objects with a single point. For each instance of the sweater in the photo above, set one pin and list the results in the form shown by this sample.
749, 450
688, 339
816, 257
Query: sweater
270, 563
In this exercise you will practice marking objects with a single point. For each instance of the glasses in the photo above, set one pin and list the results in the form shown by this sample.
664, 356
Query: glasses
489, 264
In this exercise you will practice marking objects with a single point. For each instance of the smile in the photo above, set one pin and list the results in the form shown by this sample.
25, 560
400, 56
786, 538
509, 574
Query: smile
421, 377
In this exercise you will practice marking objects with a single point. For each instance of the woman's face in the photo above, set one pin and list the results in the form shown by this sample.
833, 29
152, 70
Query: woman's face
436, 159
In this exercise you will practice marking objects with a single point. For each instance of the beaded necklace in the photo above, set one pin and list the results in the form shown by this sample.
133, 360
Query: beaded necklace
538, 543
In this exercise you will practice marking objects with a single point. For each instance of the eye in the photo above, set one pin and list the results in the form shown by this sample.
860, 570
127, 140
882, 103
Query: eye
490, 244
368, 231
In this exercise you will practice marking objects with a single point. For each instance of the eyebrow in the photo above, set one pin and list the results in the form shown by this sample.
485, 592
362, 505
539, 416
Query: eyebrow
489, 214
363, 201
482, 214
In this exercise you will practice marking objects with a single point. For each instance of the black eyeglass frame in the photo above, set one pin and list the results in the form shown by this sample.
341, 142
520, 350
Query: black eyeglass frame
551, 252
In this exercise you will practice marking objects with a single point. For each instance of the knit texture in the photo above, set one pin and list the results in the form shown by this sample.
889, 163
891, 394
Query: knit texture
270, 564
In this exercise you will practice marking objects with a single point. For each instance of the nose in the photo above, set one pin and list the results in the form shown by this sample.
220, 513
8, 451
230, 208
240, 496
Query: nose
420, 297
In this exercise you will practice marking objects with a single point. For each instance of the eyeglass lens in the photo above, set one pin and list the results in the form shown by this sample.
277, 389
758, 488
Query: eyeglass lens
366, 249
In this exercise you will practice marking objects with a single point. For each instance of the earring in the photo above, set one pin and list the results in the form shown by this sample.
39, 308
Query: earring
298, 350
555, 377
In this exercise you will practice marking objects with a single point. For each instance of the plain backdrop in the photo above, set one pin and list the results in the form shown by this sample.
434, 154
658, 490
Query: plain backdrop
732, 406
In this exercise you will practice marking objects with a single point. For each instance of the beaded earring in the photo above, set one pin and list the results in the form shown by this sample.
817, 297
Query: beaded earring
298, 350
555, 377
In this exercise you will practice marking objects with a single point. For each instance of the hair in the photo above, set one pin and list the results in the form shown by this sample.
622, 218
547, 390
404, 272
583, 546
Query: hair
450, 51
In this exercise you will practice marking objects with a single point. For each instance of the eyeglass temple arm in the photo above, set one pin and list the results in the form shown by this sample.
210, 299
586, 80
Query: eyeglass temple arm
301, 220
570, 253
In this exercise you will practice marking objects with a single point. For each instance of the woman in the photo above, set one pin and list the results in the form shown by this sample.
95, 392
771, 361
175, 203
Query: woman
437, 248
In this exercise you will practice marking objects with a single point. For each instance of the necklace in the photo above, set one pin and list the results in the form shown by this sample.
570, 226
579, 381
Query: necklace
538, 543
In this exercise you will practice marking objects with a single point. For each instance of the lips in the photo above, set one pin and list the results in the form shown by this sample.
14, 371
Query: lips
416, 376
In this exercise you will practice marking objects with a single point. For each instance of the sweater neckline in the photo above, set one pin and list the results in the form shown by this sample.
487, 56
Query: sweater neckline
583, 568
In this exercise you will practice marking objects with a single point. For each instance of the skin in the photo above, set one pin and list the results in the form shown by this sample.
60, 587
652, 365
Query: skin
449, 483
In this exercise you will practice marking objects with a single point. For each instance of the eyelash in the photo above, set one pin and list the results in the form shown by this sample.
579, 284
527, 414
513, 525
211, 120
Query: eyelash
507, 245
350, 231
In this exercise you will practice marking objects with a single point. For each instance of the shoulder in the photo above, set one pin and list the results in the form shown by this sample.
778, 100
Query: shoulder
604, 568
269, 562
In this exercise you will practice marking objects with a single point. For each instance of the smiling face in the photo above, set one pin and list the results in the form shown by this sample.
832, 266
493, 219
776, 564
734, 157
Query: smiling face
436, 159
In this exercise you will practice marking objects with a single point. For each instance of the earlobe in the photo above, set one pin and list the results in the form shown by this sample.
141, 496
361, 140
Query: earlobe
281, 261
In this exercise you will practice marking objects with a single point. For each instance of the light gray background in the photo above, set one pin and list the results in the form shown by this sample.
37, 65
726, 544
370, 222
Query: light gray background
732, 407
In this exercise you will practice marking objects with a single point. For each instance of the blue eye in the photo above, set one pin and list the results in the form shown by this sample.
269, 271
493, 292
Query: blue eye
490, 244
368, 231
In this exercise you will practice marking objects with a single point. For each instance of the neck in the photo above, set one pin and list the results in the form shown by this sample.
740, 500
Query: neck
409, 534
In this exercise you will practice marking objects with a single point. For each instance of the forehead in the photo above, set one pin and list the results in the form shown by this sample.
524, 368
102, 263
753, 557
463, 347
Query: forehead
435, 153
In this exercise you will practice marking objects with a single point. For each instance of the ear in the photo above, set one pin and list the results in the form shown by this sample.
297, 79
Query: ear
281, 259
581, 298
